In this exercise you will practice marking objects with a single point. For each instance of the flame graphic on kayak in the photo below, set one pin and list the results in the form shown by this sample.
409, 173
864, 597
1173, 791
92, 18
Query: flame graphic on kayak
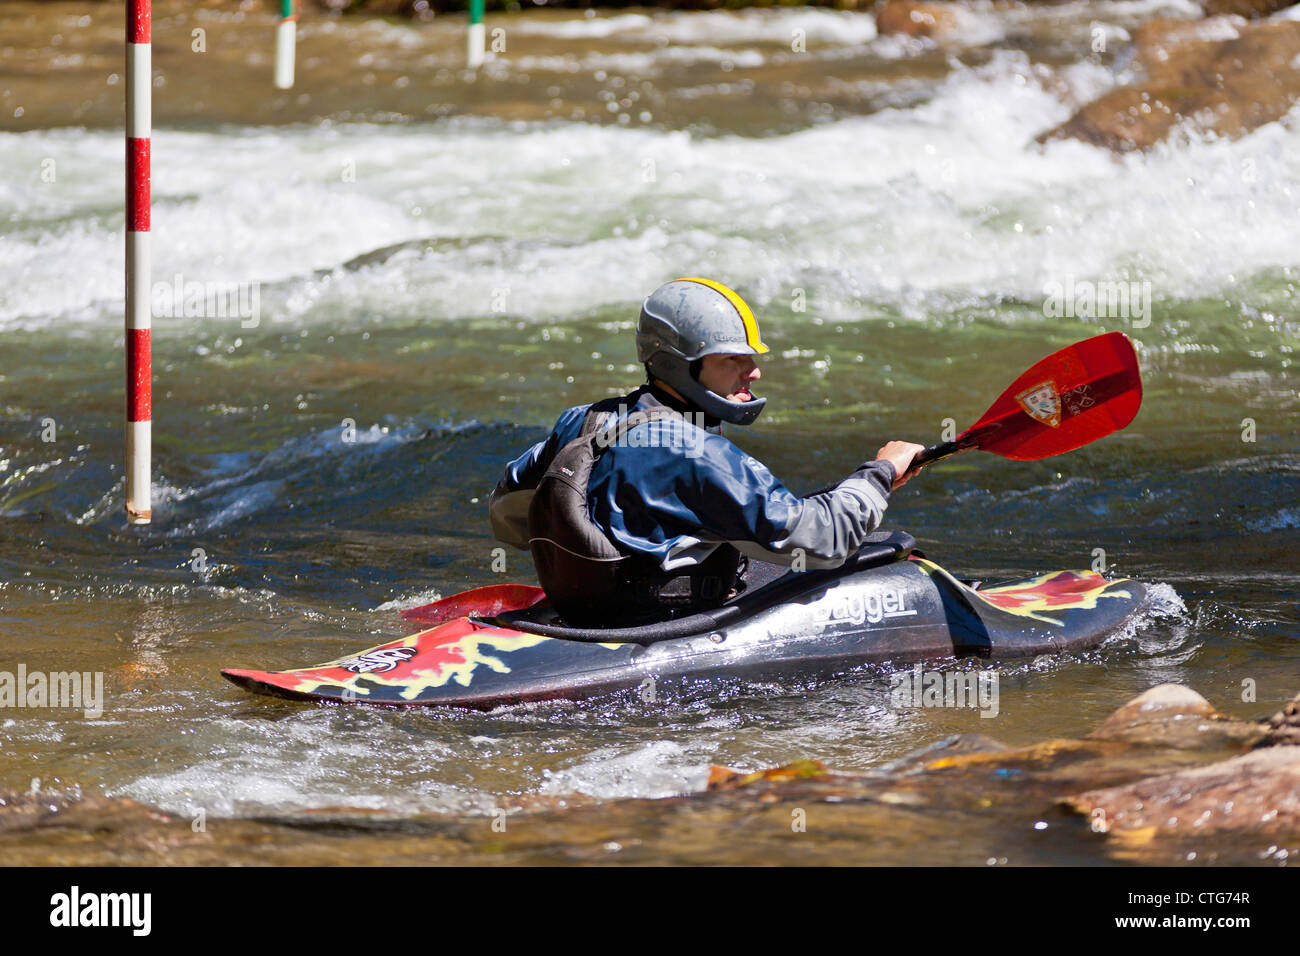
1057, 591
448, 652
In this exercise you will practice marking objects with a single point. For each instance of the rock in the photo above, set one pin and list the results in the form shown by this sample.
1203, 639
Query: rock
1283, 728
1258, 792
1245, 8
944, 750
1224, 76
1160, 702
1154, 40
1171, 715
724, 778
914, 19
39, 809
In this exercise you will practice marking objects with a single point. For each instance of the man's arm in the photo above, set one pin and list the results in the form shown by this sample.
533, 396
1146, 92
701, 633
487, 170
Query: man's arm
737, 499
822, 529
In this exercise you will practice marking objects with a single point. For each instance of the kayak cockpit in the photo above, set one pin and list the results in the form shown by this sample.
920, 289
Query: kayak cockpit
770, 585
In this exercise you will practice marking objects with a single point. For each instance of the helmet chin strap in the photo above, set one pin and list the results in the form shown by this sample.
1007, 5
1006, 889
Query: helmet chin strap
676, 373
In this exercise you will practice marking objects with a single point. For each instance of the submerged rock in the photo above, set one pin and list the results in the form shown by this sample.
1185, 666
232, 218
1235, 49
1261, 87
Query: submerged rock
1223, 76
949, 747
1259, 792
1152, 774
37, 809
724, 778
966, 799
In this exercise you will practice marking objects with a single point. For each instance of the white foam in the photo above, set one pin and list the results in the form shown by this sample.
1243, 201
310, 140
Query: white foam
1163, 609
308, 761
1105, 13
1163, 601
916, 211
419, 599
657, 769
715, 26
639, 64
581, 26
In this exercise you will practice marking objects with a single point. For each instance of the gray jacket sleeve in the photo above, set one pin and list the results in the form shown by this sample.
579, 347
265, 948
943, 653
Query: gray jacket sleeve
822, 530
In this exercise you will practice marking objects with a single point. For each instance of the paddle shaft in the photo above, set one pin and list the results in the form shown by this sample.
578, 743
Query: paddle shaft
944, 449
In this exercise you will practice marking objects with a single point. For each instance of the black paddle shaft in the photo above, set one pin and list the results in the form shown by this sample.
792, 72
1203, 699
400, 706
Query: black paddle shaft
945, 449
935, 452
967, 440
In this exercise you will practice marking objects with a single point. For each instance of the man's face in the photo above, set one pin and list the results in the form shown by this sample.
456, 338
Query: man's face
729, 376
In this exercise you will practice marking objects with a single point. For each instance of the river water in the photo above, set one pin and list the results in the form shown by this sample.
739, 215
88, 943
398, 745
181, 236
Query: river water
445, 263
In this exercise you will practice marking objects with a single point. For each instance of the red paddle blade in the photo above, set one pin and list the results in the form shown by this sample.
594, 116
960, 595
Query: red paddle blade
1074, 396
486, 601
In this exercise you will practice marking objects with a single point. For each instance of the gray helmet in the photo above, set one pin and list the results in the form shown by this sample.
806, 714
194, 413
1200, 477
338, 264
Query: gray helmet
686, 319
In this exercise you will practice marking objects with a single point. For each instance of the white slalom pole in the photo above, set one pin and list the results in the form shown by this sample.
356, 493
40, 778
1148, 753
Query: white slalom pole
476, 39
286, 39
139, 349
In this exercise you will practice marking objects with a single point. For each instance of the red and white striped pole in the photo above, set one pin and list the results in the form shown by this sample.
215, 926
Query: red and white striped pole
139, 385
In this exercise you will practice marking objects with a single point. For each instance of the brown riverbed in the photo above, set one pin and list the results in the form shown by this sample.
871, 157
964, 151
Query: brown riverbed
967, 800
62, 64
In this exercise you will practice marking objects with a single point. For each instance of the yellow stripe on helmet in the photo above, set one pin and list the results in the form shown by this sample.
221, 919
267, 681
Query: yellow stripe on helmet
746, 315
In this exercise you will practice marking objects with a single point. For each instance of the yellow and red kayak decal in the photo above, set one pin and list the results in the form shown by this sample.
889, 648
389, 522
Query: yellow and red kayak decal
429, 659
1057, 591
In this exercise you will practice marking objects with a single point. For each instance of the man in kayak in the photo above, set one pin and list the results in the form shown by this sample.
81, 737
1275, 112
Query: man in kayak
654, 509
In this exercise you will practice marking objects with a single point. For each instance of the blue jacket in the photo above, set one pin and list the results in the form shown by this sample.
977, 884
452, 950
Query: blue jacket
672, 490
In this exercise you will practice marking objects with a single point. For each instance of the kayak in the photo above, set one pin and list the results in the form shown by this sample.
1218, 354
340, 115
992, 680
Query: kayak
887, 604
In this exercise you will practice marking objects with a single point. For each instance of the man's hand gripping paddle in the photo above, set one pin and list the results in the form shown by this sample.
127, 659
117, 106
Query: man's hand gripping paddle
1075, 396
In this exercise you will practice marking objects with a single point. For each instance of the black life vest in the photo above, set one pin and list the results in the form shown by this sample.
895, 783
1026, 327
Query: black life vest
589, 582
